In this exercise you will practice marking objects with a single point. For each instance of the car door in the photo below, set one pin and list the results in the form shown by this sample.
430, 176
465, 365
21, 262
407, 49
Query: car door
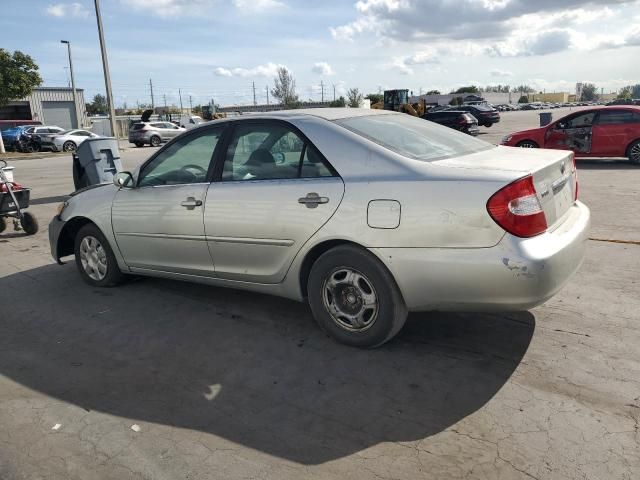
161, 130
612, 132
172, 130
571, 133
158, 224
274, 191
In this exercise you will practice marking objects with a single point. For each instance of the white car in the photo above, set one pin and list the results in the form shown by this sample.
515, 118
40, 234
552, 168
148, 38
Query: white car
68, 141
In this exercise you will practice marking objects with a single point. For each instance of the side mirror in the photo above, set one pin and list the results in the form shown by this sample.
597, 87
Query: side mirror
123, 180
278, 157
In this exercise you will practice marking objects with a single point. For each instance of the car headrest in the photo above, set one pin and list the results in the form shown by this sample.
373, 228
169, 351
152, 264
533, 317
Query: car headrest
261, 157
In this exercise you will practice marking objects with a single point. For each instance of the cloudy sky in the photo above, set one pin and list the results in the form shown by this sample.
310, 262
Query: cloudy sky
217, 48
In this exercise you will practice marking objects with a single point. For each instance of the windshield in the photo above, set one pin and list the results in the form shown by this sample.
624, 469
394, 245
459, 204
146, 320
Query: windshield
414, 137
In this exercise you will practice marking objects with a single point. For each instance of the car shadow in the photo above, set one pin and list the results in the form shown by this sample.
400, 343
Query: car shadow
605, 164
247, 367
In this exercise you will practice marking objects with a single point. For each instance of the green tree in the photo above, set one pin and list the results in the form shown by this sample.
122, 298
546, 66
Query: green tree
523, 99
340, 102
354, 98
589, 92
284, 89
18, 77
625, 93
98, 105
433, 92
469, 89
456, 101
523, 89
375, 97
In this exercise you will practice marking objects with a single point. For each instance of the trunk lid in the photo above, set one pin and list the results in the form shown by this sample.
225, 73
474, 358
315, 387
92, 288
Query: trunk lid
554, 176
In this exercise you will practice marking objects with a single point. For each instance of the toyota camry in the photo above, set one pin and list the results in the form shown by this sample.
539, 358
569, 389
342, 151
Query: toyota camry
366, 215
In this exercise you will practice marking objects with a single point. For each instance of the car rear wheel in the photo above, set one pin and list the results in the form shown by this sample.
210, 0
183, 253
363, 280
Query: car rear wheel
154, 141
139, 144
634, 152
94, 258
69, 146
527, 144
354, 298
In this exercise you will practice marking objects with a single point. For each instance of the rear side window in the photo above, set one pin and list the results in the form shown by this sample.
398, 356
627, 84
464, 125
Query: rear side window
412, 137
612, 117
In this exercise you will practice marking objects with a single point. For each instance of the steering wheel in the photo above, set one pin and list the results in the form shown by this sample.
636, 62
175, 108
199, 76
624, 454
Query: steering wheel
195, 167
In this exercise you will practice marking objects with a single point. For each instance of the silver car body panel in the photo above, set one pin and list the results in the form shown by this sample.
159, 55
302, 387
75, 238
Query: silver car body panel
444, 250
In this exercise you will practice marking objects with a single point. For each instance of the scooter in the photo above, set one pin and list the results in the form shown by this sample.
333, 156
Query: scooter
14, 199
28, 143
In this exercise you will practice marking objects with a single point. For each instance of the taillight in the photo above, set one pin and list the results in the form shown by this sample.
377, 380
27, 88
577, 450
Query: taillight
575, 177
516, 209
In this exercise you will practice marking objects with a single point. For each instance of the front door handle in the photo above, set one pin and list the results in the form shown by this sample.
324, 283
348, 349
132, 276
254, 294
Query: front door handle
190, 203
312, 200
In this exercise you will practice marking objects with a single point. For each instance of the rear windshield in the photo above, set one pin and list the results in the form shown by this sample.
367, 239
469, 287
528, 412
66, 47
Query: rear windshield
414, 137
137, 126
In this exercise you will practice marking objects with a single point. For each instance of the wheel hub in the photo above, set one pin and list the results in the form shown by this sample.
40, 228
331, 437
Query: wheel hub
350, 299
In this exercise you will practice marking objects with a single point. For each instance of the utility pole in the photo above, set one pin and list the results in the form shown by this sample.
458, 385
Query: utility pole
164, 96
190, 105
322, 91
180, 95
73, 85
267, 89
334, 91
105, 67
254, 93
153, 105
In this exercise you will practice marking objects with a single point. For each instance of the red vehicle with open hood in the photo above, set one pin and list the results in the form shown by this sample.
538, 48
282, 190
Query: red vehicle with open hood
595, 132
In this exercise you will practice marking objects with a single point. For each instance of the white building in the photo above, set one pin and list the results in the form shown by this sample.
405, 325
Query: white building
49, 106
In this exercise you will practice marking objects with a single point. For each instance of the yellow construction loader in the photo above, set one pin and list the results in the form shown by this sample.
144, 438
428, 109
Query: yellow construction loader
398, 101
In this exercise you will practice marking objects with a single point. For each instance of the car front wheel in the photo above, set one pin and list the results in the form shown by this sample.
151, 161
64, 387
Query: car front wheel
527, 144
94, 258
354, 298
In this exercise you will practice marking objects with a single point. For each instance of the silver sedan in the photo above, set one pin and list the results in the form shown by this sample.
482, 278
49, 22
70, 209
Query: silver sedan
365, 214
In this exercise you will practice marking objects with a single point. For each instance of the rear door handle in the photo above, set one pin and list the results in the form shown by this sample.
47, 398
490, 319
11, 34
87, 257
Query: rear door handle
312, 200
190, 203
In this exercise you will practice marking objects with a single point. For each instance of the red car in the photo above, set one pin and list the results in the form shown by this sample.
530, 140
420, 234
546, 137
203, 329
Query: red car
595, 132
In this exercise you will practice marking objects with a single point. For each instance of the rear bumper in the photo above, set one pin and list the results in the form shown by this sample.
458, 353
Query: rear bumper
516, 274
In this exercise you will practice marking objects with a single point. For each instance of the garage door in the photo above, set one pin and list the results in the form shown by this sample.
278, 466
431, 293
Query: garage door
61, 114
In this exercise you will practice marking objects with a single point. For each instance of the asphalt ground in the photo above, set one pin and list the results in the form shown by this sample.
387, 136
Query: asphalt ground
160, 379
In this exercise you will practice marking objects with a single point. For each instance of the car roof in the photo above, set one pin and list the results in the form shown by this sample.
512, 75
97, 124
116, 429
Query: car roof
325, 113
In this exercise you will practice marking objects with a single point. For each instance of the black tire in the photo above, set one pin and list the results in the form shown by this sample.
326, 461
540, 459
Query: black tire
139, 144
3, 224
633, 152
69, 146
112, 276
155, 141
391, 310
488, 124
527, 144
29, 223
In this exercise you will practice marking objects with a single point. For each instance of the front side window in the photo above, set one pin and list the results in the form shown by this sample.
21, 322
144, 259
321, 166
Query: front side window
581, 121
413, 137
271, 151
185, 161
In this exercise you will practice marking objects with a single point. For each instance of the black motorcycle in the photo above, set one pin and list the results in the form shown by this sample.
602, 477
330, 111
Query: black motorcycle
28, 143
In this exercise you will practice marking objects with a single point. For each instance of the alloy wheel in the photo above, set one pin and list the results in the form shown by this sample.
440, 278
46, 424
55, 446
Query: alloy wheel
350, 299
634, 153
93, 258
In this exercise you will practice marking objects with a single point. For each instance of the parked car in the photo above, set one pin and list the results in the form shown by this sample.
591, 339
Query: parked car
596, 132
153, 133
486, 116
456, 119
190, 121
68, 140
365, 214
12, 134
45, 134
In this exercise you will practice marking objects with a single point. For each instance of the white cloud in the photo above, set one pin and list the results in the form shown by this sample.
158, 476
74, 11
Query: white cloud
501, 73
267, 70
67, 10
322, 68
254, 6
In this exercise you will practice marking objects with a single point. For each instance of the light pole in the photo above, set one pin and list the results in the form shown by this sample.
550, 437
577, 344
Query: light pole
73, 85
107, 77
